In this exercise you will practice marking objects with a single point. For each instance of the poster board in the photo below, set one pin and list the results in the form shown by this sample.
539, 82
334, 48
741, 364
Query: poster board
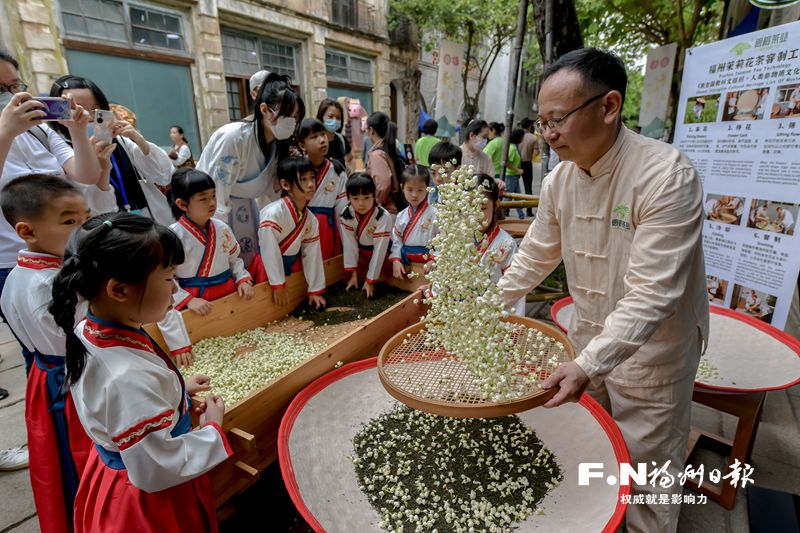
739, 122
655, 90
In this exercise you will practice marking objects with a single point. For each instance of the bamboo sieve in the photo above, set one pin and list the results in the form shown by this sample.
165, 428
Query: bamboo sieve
431, 380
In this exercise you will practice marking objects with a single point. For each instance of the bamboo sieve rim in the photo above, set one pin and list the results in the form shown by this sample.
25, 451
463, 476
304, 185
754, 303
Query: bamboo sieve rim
533, 397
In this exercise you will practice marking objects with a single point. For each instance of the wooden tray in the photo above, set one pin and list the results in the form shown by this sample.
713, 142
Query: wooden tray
252, 424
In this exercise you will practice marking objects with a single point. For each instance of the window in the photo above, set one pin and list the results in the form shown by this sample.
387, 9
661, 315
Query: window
239, 54
98, 19
119, 21
235, 87
244, 55
154, 28
348, 69
345, 12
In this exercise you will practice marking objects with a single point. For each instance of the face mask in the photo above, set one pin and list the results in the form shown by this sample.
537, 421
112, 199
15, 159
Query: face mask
480, 143
283, 128
332, 125
5, 98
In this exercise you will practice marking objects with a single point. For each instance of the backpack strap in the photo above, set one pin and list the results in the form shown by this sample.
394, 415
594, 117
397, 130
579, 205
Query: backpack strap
41, 136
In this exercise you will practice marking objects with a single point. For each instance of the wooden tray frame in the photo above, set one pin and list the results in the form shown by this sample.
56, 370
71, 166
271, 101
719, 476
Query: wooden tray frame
252, 424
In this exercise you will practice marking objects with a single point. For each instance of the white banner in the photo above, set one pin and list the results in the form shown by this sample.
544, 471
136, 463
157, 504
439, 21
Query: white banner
655, 90
739, 122
450, 87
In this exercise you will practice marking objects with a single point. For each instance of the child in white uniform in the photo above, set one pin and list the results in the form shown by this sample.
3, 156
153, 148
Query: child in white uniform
497, 247
288, 231
212, 268
330, 198
415, 225
147, 467
366, 232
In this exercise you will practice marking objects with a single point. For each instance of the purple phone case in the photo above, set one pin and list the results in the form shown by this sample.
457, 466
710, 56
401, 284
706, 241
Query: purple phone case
57, 109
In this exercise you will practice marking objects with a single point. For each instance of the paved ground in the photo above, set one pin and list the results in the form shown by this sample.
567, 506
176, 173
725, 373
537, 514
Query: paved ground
776, 457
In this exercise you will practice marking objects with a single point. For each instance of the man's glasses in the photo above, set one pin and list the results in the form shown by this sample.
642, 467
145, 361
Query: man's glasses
14, 88
555, 123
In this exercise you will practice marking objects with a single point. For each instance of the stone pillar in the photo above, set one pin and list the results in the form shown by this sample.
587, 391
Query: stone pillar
209, 79
34, 34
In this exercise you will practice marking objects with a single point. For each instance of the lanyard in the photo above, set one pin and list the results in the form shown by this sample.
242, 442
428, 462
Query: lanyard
119, 185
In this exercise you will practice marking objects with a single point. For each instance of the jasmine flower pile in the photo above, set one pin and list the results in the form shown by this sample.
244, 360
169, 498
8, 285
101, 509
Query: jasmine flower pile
428, 473
244, 362
706, 371
466, 306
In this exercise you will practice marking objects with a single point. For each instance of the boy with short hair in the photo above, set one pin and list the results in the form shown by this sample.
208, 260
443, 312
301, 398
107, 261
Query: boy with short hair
44, 210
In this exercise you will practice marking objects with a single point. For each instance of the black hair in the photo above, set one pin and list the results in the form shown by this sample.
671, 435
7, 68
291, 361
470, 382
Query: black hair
277, 92
444, 152
65, 83
28, 196
488, 185
600, 70
415, 172
498, 127
517, 135
185, 183
430, 127
308, 127
526, 123
386, 130
474, 128
323, 108
292, 167
180, 130
361, 183
8, 58
120, 246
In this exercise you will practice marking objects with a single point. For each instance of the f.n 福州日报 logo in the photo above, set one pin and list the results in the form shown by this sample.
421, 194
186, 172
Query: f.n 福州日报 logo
618, 217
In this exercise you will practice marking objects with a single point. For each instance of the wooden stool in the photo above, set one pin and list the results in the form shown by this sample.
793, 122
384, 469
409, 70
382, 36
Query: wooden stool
747, 408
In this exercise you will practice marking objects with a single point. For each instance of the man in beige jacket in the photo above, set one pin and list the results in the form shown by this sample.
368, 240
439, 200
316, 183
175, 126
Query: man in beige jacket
625, 214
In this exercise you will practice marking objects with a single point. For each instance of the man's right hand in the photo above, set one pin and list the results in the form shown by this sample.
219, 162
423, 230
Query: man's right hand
21, 114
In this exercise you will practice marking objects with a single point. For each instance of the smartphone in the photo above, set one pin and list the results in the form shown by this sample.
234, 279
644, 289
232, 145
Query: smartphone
103, 120
409, 154
57, 108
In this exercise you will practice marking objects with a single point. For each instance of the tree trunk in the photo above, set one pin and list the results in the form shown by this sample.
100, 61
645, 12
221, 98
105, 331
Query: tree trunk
410, 84
567, 34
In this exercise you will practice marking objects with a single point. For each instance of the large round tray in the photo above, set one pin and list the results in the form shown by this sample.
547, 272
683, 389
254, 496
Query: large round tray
406, 366
748, 354
316, 436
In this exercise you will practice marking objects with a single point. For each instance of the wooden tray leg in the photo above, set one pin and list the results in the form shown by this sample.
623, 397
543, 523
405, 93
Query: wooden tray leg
747, 408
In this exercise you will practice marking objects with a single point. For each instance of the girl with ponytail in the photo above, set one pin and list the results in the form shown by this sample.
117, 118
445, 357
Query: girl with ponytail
382, 164
147, 469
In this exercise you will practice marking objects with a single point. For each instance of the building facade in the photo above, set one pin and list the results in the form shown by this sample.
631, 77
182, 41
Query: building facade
187, 62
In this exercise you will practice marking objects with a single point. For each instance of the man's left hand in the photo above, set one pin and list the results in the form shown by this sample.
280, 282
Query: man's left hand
571, 381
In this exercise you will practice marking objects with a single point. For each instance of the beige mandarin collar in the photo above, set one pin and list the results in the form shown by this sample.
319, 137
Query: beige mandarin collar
605, 164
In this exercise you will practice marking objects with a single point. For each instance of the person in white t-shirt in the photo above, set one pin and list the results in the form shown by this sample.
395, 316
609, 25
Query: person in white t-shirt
712, 208
29, 146
785, 218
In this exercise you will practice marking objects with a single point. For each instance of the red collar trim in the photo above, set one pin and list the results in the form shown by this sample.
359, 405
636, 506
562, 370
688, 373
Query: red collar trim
416, 216
490, 237
196, 231
38, 261
105, 336
296, 215
364, 220
322, 172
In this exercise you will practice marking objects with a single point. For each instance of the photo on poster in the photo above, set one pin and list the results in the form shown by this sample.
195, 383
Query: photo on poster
701, 109
787, 102
724, 208
745, 105
717, 289
757, 304
777, 217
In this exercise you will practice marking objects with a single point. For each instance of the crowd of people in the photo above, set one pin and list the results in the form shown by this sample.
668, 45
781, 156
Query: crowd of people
104, 231
91, 248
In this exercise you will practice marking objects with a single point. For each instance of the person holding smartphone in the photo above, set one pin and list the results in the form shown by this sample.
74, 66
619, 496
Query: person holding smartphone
29, 146
136, 166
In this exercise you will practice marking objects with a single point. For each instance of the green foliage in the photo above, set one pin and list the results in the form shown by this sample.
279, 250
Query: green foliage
633, 99
631, 27
483, 26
